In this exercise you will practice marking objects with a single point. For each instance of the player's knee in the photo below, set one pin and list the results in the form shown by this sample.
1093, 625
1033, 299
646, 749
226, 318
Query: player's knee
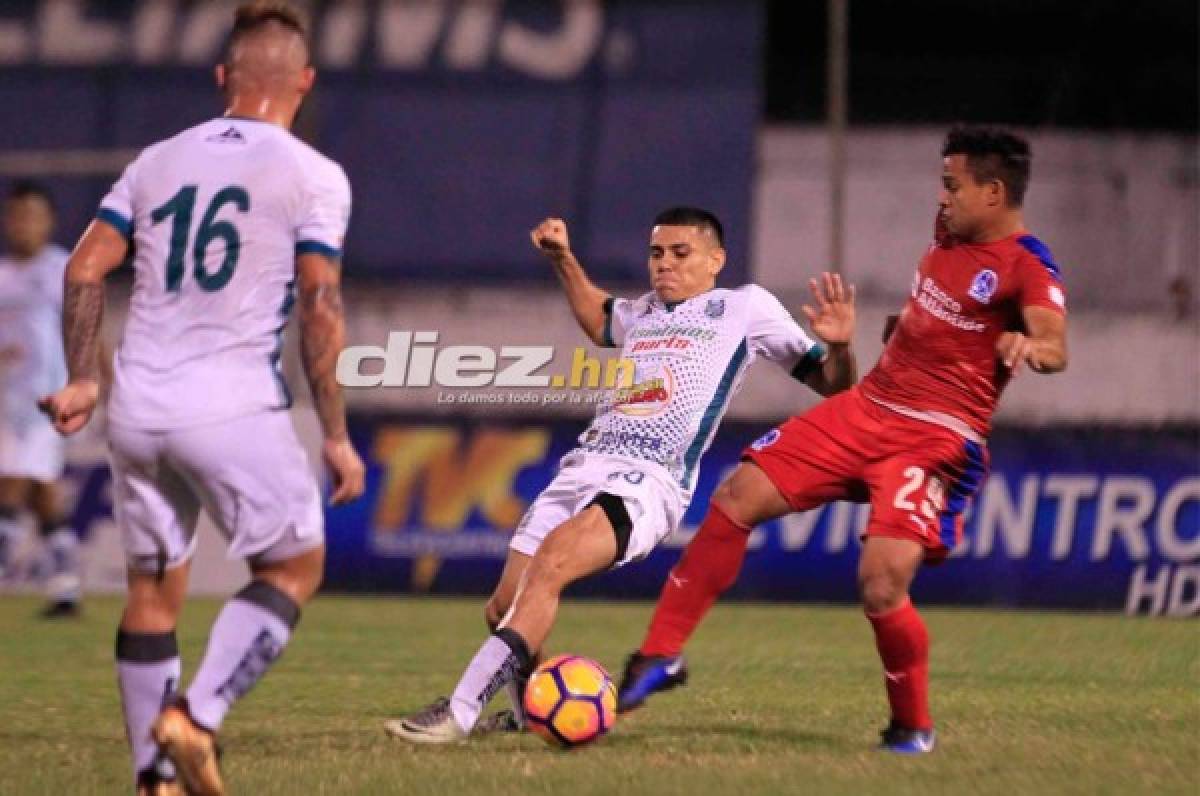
550, 566
880, 592
746, 497
729, 498
143, 615
556, 561
299, 578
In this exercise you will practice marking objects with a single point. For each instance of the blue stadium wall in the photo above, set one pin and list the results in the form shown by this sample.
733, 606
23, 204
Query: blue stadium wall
1095, 519
459, 127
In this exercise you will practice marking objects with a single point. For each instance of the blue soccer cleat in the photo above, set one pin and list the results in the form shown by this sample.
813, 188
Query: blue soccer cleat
903, 741
646, 675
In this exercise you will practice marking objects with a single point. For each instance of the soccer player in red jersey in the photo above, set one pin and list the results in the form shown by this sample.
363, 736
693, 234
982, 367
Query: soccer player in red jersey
987, 299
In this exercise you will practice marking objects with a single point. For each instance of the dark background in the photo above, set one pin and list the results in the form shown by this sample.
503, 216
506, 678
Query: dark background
1098, 64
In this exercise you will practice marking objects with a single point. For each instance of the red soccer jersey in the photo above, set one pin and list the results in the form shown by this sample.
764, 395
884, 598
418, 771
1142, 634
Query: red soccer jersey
941, 360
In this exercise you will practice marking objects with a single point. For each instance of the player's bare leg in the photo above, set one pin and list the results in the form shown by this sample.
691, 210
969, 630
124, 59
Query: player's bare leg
885, 572
581, 546
248, 636
148, 669
709, 565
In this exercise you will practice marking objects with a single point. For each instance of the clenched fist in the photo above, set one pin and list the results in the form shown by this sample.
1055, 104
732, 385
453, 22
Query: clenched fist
550, 237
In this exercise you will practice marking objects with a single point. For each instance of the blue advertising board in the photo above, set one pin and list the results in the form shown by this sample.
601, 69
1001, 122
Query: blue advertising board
460, 125
1079, 519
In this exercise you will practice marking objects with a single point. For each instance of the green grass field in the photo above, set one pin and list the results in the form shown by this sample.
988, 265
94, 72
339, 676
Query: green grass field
783, 699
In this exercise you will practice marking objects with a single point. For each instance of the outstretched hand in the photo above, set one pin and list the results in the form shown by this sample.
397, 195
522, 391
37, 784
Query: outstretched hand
833, 319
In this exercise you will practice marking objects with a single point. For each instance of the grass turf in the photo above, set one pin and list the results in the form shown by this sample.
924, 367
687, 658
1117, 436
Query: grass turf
782, 699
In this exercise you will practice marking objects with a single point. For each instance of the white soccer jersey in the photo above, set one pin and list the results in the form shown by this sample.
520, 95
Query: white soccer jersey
217, 215
31, 354
690, 359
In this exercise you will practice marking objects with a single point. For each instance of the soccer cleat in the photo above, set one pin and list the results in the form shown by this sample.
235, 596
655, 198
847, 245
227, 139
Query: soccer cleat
903, 741
646, 675
433, 724
150, 783
191, 748
501, 721
60, 609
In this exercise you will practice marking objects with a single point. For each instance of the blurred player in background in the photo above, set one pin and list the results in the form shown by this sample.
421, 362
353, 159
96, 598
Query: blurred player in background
987, 300
31, 365
224, 218
627, 485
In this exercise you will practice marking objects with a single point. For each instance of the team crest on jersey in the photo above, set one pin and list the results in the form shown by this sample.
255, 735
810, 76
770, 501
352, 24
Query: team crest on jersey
983, 286
715, 308
766, 440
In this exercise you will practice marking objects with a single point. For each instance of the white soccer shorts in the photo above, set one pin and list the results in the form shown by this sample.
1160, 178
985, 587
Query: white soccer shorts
654, 502
31, 449
250, 474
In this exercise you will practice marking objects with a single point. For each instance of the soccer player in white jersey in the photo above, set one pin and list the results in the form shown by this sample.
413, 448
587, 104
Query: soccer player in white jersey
224, 219
627, 485
31, 365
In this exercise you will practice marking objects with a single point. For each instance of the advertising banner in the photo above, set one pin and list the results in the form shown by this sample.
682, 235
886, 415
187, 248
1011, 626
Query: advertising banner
1078, 519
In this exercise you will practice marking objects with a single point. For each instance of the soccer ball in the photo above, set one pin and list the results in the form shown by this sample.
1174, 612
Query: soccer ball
570, 701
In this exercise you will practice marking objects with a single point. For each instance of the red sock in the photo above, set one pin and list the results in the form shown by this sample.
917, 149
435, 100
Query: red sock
903, 645
709, 566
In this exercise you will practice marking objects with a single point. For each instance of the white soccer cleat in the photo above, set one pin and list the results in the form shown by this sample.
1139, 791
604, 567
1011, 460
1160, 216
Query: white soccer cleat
433, 724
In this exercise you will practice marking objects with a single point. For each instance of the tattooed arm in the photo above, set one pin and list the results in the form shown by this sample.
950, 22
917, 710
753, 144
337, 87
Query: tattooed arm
101, 250
322, 337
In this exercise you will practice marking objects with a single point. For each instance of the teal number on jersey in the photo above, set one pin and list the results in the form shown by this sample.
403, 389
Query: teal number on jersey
179, 208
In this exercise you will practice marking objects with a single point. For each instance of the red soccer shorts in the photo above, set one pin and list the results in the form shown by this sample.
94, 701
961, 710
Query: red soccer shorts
917, 476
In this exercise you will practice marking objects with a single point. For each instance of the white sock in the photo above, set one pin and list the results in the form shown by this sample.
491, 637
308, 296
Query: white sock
64, 584
496, 665
148, 671
249, 635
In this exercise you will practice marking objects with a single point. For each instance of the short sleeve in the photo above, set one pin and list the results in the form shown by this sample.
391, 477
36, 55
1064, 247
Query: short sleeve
116, 208
618, 318
325, 214
776, 337
1039, 277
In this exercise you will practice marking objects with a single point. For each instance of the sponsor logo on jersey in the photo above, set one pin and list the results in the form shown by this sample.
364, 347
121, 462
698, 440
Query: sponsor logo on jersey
944, 307
608, 440
648, 396
983, 286
672, 343
673, 330
715, 308
230, 136
766, 440
1056, 295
